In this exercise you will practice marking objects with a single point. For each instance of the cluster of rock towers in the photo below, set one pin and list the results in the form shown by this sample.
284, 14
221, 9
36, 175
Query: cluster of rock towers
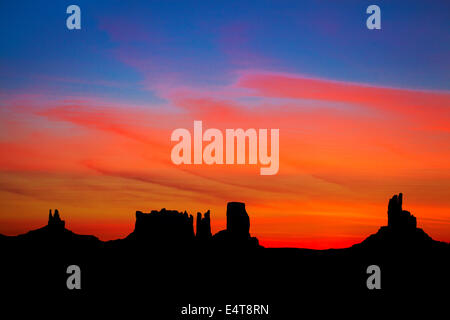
171, 226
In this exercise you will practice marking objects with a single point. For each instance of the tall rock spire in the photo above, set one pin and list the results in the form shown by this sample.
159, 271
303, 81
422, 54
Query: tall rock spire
399, 219
238, 222
203, 226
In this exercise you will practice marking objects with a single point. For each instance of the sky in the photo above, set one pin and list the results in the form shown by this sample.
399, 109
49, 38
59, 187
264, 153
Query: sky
86, 115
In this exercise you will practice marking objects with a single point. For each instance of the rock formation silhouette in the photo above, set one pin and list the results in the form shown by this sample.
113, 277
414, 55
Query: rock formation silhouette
237, 233
170, 229
55, 234
163, 228
204, 226
398, 218
54, 221
238, 222
163, 261
401, 231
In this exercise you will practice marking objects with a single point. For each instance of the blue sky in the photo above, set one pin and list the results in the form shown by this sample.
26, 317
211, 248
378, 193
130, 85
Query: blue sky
124, 46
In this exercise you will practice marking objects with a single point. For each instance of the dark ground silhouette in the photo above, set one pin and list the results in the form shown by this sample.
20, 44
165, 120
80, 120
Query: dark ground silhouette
165, 264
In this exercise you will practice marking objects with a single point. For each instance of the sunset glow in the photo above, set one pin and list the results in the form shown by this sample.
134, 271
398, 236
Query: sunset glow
94, 140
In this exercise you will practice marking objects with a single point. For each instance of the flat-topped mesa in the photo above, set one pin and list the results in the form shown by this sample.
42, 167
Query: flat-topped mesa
166, 226
54, 221
203, 226
399, 219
